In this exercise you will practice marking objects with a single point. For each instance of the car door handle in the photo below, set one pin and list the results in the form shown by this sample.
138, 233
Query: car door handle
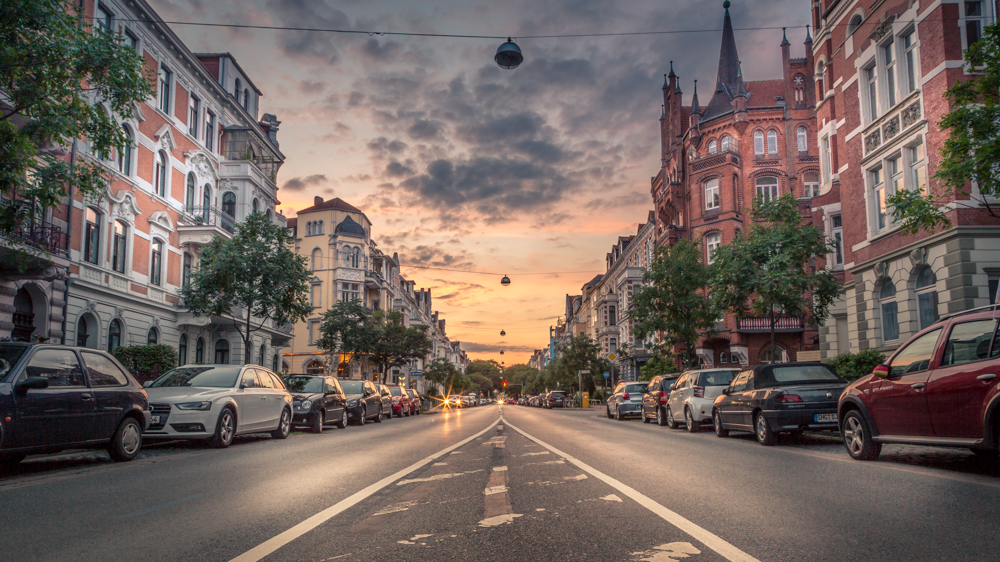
263, 397
917, 385
86, 397
986, 378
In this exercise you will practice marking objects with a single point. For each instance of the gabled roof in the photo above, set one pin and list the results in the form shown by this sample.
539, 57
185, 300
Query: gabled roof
336, 204
729, 71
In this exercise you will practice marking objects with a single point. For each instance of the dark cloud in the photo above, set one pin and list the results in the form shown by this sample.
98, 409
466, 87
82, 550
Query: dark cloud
312, 45
396, 169
312, 87
429, 256
383, 147
301, 183
424, 129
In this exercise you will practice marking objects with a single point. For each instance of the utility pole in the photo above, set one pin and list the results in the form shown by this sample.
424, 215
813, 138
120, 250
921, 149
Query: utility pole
579, 382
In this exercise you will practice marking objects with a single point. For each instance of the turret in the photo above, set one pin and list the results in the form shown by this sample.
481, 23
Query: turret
694, 118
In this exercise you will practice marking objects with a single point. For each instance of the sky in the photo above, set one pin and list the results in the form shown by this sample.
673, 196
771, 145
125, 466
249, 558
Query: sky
461, 165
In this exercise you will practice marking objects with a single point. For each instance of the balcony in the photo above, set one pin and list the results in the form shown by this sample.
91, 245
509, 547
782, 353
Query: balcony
199, 225
756, 324
727, 155
32, 249
373, 280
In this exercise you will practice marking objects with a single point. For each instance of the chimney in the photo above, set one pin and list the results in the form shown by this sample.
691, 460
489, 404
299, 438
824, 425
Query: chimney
317, 200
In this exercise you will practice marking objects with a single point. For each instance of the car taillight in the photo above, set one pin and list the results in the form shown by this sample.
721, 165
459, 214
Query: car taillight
788, 398
663, 397
625, 396
699, 391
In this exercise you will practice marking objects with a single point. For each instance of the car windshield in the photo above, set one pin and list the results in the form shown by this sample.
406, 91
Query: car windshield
304, 385
716, 378
9, 355
801, 374
353, 387
557, 394
640, 388
395, 391
207, 376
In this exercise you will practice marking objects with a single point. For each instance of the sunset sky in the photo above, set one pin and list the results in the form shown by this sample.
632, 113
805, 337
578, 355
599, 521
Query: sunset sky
461, 165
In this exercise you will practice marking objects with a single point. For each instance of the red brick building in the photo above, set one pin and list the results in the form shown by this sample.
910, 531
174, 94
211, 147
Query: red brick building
880, 78
753, 138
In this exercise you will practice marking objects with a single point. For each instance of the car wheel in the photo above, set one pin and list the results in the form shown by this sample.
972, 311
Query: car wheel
763, 431
720, 430
361, 418
671, 422
284, 426
378, 418
608, 408
343, 420
644, 418
127, 441
317, 426
858, 439
225, 429
661, 420
618, 413
692, 426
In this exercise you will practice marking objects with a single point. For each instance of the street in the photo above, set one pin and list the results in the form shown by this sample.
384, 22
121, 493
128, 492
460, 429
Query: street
518, 484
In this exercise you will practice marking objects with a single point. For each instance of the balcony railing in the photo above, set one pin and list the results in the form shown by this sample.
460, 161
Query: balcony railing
207, 216
763, 324
39, 234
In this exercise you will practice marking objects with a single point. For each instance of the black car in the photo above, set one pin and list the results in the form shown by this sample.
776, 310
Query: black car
654, 400
364, 402
779, 398
317, 400
55, 397
555, 399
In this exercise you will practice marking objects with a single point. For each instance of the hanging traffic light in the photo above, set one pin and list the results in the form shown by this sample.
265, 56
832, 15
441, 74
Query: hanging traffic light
505, 384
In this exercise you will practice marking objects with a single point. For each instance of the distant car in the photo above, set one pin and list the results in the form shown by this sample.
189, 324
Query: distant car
364, 401
56, 397
778, 398
454, 401
555, 399
400, 401
484, 401
693, 395
626, 402
316, 401
415, 401
386, 395
218, 402
654, 400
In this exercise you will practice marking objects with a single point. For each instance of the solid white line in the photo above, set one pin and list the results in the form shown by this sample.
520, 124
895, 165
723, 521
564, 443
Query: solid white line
705, 536
269, 546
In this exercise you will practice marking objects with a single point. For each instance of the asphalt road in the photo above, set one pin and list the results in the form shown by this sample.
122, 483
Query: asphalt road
534, 484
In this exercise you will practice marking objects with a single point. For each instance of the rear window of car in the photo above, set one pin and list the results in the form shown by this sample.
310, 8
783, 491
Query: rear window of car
557, 394
799, 374
395, 391
353, 387
637, 387
715, 378
305, 385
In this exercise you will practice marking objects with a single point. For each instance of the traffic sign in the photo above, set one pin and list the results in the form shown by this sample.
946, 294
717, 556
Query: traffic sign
415, 374
611, 356
606, 374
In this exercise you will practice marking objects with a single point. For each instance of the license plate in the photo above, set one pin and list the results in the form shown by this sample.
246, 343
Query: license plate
155, 419
826, 418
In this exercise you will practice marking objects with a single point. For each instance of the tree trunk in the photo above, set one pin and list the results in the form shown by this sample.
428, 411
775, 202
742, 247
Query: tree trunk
773, 321
247, 352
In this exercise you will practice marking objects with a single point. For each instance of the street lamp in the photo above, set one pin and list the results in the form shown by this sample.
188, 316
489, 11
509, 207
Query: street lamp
505, 281
509, 55
503, 333
501, 352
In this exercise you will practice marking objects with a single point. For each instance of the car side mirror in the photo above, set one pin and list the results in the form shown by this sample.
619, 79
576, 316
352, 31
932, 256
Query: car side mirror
881, 371
726, 391
147, 384
247, 384
36, 383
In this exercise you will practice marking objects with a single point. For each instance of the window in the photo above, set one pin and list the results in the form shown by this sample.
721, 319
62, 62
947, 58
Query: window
92, 236
772, 143
810, 184
229, 204
871, 81
120, 247
613, 343
926, 287
125, 154
189, 195
826, 164
222, 352
837, 233
160, 177
182, 350
356, 258
152, 336
895, 177
236, 90
82, 332
316, 294
350, 291
973, 23
260, 357
199, 351
103, 19
916, 356
771, 355
712, 241
274, 363
156, 263
875, 178
968, 342
854, 23
114, 335
758, 143
918, 167
802, 139
186, 271
712, 194
910, 54
166, 77
821, 79
131, 40
889, 61
889, 307
206, 198
767, 188
713, 147
246, 100
102, 371
727, 142
317, 259
612, 316
209, 130
60, 367
313, 331
254, 207
194, 112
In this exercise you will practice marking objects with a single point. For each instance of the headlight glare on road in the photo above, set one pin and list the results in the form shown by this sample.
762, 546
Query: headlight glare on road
194, 406
306, 404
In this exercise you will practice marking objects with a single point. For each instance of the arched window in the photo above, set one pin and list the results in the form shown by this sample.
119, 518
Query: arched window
758, 143
356, 258
723, 357
821, 80
727, 142
152, 336
712, 194
160, 177
713, 147
222, 352
156, 263
773, 355
246, 99
125, 154
767, 187
236, 90
189, 194
120, 248
854, 23
772, 143
260, 358
274, 363
199, 351
270, 216
314, 368
317, 259
229, 204
206, 199
712, 242
186, 269
82, 332
92, 236
802, 137
114, 336
182, 350
890, 309
926, 297
255, 205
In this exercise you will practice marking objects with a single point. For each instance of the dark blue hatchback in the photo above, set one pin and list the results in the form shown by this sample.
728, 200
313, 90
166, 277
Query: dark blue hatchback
55, 397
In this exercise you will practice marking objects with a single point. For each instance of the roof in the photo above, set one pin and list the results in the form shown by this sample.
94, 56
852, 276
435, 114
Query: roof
729, 72
238, 67
595, 280
350, 227
293, 222
763, 92
336, 204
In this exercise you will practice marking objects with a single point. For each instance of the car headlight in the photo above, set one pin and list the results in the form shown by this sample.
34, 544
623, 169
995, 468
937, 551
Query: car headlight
194, 406
352, 403
306, 404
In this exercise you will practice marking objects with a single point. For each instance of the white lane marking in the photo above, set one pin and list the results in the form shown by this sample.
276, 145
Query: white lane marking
612, 498
406, 542
269, 546
579, 477
395, 508
546, 462
495, 490
668, 552
499, 520
540, 509
418, 537
532, 454
704, 536
437, 477
439, 464
499, 468
456, 453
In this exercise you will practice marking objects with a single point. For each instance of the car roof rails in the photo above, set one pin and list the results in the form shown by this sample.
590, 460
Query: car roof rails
993, 307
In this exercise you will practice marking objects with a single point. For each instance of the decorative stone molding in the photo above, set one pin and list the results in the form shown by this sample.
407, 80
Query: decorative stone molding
162, 219
873, 140
911, 114
203, 165
124, 206
137, 112
890, 129
883, 30
165, 137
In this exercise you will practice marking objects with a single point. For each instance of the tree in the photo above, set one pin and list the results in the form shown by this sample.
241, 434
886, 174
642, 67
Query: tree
577, 354
146, 362
675, 303
345, 329
444, 373
487, 368
393, 344
769, 271
252, 274
481, 383
56, 74
971, 152
660, 364
518, 377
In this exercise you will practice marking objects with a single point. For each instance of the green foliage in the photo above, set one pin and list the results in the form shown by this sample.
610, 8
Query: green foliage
486, 368
252, 274
853, 366
52, 67
675, 302
444, 373
972, 149
659, 364
480, 383
345, 329
768, 271
348, 327
576, 354
147, 362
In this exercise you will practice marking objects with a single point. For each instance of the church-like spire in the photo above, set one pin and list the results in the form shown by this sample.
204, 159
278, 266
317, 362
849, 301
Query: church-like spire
726, 83
666, 83
809, 38
672, 75
741, 89
695, 106
784, 37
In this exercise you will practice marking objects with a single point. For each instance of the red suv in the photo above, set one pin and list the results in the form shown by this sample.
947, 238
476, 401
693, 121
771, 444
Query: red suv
939, 388
400, 401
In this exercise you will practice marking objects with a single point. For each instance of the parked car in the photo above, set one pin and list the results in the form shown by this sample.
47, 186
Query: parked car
454, 401
316, 400
484, 401
693, 394
386, 395
56, 397
218, 402
555, 399
778, 398
400, 401
472, 399
626, 402
939, 388
364, 401
654, 399
415, 401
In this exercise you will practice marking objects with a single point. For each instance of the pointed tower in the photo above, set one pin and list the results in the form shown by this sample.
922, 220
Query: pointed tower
725, 84
694, 119
740, 97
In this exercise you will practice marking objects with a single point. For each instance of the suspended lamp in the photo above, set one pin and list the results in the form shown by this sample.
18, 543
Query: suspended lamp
501, 352
503, 333
509, 55
505, 281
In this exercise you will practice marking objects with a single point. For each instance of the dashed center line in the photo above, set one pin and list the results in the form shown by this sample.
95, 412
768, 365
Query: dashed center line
495, 490
437, 477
